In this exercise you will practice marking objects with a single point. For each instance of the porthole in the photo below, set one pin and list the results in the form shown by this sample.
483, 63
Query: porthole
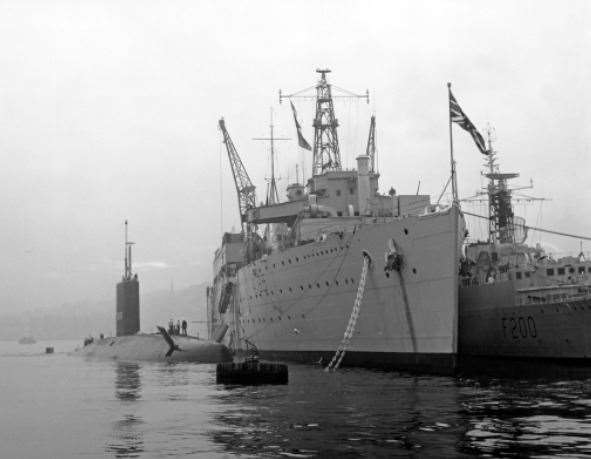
336, 282
414, 270
327, 284
318, 284
301, 287
405, 231
309, 285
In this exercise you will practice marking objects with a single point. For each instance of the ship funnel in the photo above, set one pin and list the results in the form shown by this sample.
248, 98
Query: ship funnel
363, 186
128, 297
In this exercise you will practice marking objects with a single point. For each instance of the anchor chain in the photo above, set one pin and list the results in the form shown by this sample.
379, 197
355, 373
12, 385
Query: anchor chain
340, 353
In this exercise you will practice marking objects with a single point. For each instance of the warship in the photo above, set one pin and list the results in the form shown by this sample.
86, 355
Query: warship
130, 345
516, 300
338, 270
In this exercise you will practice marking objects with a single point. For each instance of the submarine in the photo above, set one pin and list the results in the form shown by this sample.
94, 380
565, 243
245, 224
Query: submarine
131, 345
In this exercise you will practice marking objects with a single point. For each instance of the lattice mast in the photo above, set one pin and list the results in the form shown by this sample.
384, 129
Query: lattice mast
326, 150
245, 190
503, 225
327, 155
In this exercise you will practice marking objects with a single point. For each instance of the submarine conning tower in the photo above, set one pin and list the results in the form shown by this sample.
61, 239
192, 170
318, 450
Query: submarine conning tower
128, 297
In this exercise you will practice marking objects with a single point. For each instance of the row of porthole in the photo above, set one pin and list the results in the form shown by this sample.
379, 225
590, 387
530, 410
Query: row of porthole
302, 288
305, 257
263, 319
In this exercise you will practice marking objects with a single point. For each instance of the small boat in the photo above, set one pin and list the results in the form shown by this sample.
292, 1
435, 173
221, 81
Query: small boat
27, 340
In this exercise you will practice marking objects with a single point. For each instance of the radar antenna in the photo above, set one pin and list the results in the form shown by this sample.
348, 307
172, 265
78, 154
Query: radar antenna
326, 153
244, 187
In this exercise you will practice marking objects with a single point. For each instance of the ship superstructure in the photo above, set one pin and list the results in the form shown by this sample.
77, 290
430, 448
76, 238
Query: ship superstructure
516, 300
290, 291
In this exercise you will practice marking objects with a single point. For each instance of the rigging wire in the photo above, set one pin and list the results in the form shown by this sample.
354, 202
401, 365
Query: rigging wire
534, 228
221, 190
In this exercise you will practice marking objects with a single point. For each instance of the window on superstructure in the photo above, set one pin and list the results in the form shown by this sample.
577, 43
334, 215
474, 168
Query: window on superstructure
527, 274
351, 190
338, 192
581, 269
560, 271
550, 271
517, 274
571, 270
339, 213
589, 269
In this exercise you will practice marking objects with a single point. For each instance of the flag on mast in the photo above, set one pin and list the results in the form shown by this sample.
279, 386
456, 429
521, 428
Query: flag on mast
301, 141
457, 115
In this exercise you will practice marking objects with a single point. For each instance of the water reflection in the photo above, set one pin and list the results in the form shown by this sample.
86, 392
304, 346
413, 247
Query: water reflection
360, 412
537, 418
353, 412
127, 438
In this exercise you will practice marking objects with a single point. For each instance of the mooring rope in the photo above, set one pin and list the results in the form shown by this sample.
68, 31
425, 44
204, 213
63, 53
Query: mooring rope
340, 353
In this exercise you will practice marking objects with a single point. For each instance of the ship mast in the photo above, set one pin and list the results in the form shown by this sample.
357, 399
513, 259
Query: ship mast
326, 151
499, 196
272, 194
127, 271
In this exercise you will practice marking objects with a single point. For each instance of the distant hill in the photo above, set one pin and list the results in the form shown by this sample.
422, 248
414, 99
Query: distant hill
79, 319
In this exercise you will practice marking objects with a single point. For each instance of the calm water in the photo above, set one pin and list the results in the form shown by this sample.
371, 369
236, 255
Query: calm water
60, 406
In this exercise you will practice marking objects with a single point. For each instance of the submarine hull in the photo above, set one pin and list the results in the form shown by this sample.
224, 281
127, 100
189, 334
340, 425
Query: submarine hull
153, 347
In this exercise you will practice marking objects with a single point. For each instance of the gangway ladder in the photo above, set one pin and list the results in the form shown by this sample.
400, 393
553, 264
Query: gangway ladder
340, 353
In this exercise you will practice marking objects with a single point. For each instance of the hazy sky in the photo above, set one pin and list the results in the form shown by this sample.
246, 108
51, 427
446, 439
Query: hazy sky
109, 110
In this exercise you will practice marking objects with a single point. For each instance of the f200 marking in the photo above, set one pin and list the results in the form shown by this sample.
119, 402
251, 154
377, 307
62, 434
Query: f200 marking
519, 327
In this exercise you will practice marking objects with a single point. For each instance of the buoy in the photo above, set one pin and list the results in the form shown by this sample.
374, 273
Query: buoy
251, 372
49, 350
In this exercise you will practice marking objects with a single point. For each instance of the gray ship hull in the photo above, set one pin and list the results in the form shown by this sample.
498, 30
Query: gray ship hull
295, 304
493, 325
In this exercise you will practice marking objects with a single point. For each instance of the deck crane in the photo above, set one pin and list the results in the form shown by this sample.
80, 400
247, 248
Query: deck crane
244, 187
371, 143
